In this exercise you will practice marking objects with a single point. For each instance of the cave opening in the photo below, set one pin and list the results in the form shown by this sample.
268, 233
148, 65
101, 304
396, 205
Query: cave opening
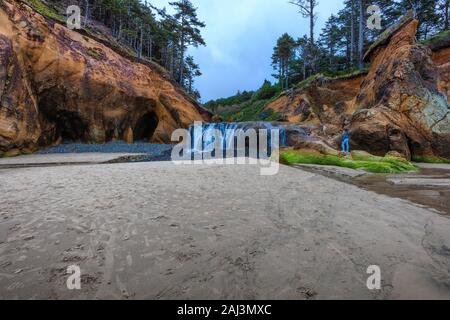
145, 127
70, 126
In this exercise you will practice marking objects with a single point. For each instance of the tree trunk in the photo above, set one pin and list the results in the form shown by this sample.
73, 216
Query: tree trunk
446, 13
304, 70
119, 34
280, 76
331, 58
86, 12
140, 42
287, 74
311, 22
361, 35
150, 45
181, 56
311, 34
352, 34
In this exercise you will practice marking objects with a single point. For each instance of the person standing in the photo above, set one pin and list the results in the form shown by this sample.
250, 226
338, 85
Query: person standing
345, 142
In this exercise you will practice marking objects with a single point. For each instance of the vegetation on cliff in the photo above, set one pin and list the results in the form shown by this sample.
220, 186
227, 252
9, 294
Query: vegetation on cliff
147, 32
438, 41
247, 106
340, 47
84, 88
46, 10
345, 37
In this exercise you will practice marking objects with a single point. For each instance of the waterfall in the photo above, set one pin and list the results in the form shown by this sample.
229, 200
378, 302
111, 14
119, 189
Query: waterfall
229, 132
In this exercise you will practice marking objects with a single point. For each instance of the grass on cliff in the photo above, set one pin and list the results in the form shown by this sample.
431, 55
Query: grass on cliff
253, 111
250, 106
46, 10
437, 37
370, 164
94, 54
331, 75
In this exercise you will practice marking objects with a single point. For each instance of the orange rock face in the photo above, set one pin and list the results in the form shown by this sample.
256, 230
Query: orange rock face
59, 84
401, 105
327, 103
442, 59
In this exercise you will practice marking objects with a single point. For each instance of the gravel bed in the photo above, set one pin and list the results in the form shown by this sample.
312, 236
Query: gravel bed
111, 147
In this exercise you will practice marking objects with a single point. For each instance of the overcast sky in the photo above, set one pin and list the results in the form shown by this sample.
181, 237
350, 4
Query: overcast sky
240, 36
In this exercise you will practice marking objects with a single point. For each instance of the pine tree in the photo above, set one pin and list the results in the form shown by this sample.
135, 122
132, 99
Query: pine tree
188, 30
150, 32
282, 58
308, 9
191, 71
330, 38
426, 13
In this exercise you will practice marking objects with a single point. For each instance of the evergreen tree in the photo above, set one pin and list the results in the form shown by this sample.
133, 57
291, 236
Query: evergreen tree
282, 58
308, 9
426, 13
188, 30
191, 71
330, 39
150, 32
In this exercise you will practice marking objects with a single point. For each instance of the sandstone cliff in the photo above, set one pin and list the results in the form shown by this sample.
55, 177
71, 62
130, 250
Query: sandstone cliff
60, 84
322, 102
401, 104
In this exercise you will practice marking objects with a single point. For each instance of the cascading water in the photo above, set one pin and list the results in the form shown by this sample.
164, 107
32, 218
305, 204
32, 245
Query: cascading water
203, 135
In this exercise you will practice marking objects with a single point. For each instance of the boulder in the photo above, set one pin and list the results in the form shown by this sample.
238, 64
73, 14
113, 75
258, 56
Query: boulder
395, 154
317, 145
363, 156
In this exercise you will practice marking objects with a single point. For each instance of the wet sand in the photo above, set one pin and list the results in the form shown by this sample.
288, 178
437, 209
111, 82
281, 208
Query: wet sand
429, 188
160, 231
60, 159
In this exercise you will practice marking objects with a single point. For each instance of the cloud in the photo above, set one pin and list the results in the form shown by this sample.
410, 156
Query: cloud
240, 36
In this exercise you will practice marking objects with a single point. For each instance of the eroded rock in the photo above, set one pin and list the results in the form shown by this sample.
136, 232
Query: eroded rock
59, 84
400, 106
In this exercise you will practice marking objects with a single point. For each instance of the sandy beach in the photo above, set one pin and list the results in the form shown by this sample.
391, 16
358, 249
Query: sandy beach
160, 231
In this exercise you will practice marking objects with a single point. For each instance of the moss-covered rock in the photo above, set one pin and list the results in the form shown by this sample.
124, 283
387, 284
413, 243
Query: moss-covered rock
360, 155
370, 163
430, 159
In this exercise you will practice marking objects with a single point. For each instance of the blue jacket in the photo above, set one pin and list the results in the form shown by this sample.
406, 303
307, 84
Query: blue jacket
346, 135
